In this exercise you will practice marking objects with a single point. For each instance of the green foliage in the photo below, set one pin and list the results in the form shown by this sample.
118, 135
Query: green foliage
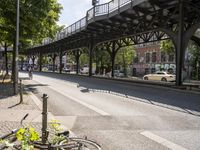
194, 51
55, 125
125, 57
102, 60
26, 136
167, 46
71, 59
45, 60
84, 59
22, 57
37, 20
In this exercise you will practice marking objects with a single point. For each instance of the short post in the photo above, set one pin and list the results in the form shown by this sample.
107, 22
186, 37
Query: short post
21, 91
44, 119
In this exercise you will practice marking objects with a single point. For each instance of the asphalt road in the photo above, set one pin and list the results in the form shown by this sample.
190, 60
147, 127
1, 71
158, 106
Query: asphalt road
122, 116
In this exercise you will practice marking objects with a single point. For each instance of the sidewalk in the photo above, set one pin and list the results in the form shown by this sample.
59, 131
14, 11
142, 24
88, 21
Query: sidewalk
11, 111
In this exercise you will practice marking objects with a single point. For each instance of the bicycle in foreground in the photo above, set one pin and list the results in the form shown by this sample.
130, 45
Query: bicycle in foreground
62, 141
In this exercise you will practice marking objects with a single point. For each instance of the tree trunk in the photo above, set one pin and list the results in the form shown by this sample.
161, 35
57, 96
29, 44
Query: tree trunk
13, 61
33, 60
77, 62
53, 65
124, 65
22, 63
6, 58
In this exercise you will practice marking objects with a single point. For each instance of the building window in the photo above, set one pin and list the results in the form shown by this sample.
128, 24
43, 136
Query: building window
163, 57
171, 57
153, 70
154, 57
136, 59
147, 57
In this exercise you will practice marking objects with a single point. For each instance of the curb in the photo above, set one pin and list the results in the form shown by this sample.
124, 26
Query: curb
38, 102
141, 83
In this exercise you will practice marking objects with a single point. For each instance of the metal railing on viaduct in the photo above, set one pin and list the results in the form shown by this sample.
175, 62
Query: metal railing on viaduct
120, 23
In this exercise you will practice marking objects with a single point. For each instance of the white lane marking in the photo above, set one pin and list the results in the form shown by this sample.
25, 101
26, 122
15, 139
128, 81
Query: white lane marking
39, 104
162, 141
103, 113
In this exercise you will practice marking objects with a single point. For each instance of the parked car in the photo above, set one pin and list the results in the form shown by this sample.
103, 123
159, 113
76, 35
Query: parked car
118, 73
44, 69
84, 70
66, 70
160, 76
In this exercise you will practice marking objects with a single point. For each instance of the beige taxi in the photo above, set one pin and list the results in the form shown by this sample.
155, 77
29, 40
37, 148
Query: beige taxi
160, 76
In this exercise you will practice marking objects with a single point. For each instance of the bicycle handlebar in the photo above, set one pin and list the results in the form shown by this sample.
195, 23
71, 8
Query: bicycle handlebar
21, 122
14, 130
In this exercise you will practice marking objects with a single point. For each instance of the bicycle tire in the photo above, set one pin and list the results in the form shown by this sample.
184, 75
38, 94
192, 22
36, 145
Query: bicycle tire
10, 137
78, 144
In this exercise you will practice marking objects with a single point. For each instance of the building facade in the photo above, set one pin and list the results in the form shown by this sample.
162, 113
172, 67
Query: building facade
150, 58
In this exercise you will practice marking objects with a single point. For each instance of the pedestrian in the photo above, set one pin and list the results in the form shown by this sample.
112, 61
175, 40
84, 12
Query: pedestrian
30, 73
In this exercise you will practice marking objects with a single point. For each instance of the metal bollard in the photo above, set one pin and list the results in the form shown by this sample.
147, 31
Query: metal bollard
21, 91
44, 119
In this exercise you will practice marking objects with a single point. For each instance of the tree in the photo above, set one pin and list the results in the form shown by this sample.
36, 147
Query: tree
102, 60
125, 57
5, 45
167, 46
194, 51
37, 20
84, 59
22, 58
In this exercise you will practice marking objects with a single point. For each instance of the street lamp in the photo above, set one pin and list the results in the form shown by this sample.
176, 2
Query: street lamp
16, 52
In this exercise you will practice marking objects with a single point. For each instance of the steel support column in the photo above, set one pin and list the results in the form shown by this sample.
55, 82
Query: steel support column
33, 60
60, 59
196, 40
180, 46
113, 54
6, 57
91, 47
77, 61
40, 62
53, 62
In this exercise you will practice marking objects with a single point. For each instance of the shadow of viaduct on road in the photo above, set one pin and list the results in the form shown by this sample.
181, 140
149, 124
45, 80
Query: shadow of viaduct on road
178, 100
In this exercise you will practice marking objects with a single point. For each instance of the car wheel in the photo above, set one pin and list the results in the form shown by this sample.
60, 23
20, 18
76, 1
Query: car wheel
146, 78
164, 79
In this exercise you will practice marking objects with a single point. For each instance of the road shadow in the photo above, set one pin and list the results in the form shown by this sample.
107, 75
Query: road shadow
24, 78
6, 90
178, 100
14, 105
33, 87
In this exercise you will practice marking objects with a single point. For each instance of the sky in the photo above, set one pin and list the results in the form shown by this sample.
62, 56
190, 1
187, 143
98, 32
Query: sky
74, 10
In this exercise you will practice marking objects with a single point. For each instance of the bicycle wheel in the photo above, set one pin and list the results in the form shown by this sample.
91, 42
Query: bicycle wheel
10, 139
79, 144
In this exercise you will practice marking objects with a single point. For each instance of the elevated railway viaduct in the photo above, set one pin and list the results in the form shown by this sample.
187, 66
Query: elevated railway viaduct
127, 22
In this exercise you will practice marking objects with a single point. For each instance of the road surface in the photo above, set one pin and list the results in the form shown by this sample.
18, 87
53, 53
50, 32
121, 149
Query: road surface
122, 116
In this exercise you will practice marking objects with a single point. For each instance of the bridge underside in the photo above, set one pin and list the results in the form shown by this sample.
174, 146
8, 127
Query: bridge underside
134, 22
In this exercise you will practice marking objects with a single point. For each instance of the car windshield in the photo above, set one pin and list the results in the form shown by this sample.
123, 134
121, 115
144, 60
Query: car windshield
160, 73
163, 73
169, 73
